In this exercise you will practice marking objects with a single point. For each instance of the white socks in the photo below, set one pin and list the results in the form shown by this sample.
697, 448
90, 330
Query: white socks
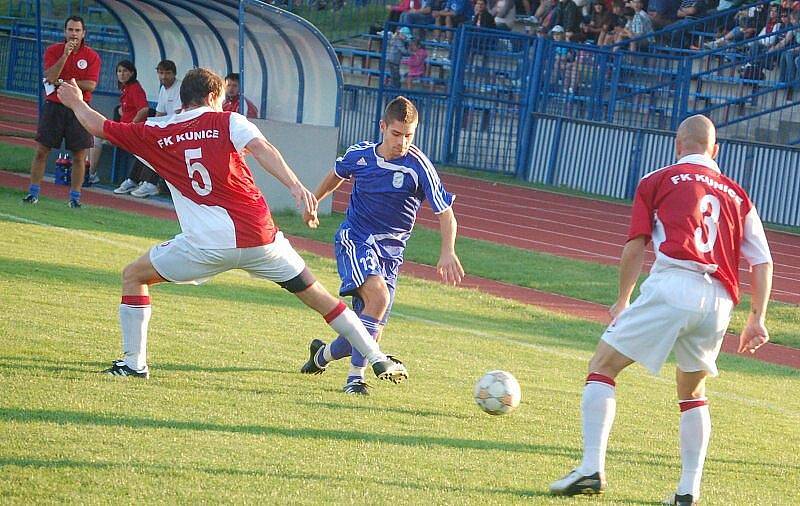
695, 432
134, 315
598, 408
346, 323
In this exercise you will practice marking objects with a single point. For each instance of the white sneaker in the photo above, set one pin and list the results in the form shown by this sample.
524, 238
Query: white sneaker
93, 178
145, 190
125, 187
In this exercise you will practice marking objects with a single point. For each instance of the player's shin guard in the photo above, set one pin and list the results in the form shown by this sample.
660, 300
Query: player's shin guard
695, 431
134, 315
346, 323
598, 408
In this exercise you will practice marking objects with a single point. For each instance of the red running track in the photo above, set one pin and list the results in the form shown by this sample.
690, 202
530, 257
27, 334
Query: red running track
573, 227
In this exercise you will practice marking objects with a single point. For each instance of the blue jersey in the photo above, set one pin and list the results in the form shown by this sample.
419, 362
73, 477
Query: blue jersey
387, 194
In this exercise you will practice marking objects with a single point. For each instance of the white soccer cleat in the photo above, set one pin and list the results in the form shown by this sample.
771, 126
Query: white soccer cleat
575, 483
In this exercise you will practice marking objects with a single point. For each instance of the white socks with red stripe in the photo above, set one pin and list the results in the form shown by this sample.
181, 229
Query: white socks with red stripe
598, 408
695, 433
346, 323
134, 315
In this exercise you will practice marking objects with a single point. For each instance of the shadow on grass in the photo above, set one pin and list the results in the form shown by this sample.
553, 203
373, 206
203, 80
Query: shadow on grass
63, 417
370, 409
52, 365
172, 469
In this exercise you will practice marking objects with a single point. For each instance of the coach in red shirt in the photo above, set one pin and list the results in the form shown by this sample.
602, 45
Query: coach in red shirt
71, 59
233, 96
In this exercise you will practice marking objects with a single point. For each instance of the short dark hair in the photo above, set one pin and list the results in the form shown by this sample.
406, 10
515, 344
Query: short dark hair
401, 109
233, 76
197, 84
166, 66
75, 18
127, 64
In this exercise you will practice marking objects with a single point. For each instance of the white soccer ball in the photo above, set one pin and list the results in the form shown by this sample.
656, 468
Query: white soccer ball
497, 393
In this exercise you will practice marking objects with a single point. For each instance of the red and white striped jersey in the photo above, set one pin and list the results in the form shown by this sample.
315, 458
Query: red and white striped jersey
198, 153
699, 219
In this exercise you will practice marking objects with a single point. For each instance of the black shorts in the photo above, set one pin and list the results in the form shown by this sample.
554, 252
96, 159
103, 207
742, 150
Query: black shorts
58, 122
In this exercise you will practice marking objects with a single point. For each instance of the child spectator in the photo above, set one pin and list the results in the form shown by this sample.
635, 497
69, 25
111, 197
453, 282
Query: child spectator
395, 52
416, 62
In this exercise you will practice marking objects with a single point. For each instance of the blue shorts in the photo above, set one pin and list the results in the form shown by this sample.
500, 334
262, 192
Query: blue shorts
358, 257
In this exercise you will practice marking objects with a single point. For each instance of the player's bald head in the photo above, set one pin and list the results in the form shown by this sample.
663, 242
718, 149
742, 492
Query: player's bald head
696, 135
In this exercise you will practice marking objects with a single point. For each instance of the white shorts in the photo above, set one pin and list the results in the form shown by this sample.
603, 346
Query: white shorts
677, 309
179, 261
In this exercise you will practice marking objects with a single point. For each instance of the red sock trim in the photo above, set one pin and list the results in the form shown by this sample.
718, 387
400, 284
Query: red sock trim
335, 312
136, 300
694, 403
600, 378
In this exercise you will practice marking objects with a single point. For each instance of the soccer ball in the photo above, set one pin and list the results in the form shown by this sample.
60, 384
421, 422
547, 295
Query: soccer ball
497, 393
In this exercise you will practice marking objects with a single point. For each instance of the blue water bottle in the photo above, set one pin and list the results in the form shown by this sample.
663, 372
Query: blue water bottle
63, 174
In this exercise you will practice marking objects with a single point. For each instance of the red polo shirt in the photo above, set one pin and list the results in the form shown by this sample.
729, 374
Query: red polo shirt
82, 65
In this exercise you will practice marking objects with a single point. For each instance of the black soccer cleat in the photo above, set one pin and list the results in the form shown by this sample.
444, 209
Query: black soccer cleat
312, 367
575, 483
390, 369
30, 199
74, 203
119, 368
680, 500
356, 387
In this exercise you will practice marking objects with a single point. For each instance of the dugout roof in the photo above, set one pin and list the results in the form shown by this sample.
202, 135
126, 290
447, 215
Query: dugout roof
291, 71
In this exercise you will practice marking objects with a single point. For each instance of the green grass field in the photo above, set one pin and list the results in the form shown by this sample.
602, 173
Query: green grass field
226, 417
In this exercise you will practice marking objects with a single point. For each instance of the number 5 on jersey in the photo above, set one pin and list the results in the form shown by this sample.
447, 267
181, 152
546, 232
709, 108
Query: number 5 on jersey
192, 167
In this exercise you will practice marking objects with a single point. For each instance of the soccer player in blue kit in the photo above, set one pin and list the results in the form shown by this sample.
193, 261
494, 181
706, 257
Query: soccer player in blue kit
390, 181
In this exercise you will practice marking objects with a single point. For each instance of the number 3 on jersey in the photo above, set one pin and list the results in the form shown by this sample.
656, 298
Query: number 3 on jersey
192, 167
709, 210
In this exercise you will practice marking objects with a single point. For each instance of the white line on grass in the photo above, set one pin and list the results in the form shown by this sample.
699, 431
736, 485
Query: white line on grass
575, 356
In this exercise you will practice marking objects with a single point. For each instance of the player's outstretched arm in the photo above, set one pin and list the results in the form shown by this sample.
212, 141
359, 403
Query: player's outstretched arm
328, 185
630, 266
755, 334
449, 266
71, 96
272, 161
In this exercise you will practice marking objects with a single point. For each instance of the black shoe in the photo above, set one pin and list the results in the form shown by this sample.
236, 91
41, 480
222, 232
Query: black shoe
390, 369
575, 483
30, 199
680, 500
356, 387
74, 203
312, 367
119, 368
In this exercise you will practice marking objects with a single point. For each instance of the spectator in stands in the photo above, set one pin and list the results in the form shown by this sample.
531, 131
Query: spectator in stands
417, 62
790, 57
598, 26
233, 95
563, 59
692, 9
505, 14
618, 22
662, 12
422, 15
133, 108
524, 7
401, 7
638, 24
64, 61
395, 52
747, 21
453, 15
544, 12
768, 39
482, 18
565, 14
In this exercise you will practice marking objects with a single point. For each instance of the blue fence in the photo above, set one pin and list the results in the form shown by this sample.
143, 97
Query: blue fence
609, 160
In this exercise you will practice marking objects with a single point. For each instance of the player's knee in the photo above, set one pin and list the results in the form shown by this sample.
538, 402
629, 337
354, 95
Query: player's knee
376, 297
41, 153
299, 283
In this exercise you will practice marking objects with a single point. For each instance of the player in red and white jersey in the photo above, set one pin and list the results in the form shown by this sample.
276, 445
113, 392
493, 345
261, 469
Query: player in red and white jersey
225, 220
701, 223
